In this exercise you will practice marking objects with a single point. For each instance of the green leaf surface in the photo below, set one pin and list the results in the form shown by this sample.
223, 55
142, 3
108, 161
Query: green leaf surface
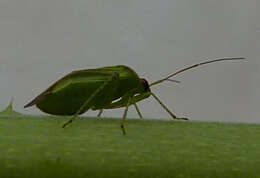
34, 146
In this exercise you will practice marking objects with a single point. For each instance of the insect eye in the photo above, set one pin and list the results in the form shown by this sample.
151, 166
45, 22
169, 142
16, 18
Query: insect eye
146, 85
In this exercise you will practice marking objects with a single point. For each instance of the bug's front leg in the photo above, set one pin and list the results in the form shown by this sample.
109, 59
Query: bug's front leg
124, 116
164, 106
138, 111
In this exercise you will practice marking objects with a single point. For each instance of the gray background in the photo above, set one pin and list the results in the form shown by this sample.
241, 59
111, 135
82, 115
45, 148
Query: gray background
42, 40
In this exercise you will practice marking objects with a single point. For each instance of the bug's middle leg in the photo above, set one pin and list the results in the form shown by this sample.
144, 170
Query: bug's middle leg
100, 112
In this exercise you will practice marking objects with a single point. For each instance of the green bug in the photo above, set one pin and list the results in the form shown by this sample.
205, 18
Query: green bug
102, 88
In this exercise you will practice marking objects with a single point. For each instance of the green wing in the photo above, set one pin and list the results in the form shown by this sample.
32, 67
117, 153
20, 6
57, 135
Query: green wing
84, 76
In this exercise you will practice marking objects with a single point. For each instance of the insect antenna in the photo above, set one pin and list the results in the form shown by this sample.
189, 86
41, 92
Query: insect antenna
175, 81
193, 66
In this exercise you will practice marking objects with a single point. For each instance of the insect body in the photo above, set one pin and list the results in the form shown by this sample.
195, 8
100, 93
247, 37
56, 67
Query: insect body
102, 88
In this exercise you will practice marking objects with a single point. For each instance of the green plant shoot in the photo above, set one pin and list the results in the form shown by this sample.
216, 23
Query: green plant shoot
102, 88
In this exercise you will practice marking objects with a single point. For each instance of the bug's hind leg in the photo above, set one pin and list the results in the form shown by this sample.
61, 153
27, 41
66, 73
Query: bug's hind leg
115, 76
124, 117
173, 116
138, 111
100, 112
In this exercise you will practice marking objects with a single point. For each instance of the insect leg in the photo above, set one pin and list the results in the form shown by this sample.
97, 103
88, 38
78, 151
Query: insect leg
115, 76
138, 111
173, 116
100, 112
124, 116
